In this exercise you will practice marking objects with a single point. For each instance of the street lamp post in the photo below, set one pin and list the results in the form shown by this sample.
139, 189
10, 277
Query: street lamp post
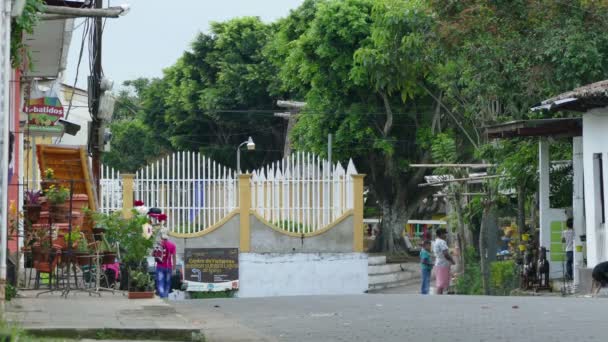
250, 146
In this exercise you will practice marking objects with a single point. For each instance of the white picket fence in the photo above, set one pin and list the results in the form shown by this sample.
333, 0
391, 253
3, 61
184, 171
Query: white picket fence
111, 190
192, 190
302, 193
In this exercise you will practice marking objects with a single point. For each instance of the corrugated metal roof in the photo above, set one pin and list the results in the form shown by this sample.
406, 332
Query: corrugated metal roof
581, 99
557, 127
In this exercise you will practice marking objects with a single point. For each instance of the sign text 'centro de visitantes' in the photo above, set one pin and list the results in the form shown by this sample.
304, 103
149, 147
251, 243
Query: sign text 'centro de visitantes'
211, 269
43, 114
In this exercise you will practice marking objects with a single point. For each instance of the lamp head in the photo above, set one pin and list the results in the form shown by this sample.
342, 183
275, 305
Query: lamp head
250, 144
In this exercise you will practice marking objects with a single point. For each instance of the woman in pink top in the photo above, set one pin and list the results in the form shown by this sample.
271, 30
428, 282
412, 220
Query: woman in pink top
165, 267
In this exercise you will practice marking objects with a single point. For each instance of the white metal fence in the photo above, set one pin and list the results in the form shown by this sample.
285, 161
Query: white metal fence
302, 193
111, 190
191, 189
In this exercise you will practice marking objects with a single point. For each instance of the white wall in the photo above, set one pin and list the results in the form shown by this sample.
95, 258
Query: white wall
79, 114
595, 130
294, 274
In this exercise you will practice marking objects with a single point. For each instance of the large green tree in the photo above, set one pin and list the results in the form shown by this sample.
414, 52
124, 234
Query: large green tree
362, 85
213, 98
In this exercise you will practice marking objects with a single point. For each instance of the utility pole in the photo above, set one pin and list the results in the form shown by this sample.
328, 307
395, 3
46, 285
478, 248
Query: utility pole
96, 84
294, 108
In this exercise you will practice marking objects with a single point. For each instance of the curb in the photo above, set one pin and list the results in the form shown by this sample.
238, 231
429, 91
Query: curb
124, 334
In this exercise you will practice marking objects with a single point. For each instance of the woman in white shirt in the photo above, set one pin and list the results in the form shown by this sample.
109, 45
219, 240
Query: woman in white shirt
443, 261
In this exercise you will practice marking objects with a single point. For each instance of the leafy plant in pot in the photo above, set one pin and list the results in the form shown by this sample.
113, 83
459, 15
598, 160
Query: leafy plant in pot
32, 206
56, 196
109, 252
131, 236
141, 285
47, 181
83, 254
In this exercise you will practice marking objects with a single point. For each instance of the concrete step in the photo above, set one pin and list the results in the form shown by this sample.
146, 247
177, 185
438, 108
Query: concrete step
382, 286
392, 268
392, 277
376, 260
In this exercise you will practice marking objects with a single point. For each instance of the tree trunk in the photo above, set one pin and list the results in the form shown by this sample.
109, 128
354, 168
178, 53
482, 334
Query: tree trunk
483, 252
468, 232
457, 205
533, 218
521, 209
394, 218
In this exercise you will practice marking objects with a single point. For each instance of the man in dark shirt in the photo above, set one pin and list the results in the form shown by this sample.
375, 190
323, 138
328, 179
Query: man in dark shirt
600, 277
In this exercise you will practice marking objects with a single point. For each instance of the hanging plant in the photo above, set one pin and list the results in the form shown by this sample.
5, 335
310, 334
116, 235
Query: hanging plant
21, 25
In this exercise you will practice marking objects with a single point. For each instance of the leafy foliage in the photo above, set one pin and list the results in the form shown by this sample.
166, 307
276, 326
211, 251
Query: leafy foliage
470, 282
211, 100
503, 277
141, 281
21, 25
134, 247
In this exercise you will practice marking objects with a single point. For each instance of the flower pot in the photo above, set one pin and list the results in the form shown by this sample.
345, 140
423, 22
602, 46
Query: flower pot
58, 213
44, 186
108, 258
79, 201
98, 233
32, 212
83, 259
579, 248
141, 295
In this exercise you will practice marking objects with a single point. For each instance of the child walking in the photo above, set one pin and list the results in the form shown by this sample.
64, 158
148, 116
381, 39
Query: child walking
426, 266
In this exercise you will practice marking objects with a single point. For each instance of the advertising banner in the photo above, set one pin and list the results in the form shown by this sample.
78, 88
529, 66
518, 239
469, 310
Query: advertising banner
211, 269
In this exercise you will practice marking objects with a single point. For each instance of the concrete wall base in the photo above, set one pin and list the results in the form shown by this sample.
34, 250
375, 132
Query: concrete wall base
585, 280
296, 274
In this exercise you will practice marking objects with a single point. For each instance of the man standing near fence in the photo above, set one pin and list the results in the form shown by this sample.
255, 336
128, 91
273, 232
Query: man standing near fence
568, 240
165, 257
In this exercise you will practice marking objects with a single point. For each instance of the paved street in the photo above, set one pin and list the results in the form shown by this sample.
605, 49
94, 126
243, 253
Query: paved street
370, 317
387, 317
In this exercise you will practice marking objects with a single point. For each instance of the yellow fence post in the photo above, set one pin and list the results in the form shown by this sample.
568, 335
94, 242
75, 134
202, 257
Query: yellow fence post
358, 213
127, 194
244, 211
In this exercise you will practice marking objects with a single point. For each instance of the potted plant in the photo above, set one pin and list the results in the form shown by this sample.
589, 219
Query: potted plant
141, 285
32, 206
49, 175
83, 254
109, 253
74, 237
56, 196
135, 240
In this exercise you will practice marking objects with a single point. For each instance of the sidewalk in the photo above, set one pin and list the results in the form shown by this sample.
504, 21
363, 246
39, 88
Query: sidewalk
84, 316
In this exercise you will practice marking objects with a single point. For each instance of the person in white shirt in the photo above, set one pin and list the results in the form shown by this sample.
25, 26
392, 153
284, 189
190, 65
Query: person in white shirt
568, 240
443, 261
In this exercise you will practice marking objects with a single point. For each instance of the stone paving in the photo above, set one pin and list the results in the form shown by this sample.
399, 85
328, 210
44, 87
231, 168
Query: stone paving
371, 317
385, 317
51, 313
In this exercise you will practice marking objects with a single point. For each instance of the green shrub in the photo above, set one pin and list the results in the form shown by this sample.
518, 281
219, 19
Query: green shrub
10, 292
503, 277
470, 282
